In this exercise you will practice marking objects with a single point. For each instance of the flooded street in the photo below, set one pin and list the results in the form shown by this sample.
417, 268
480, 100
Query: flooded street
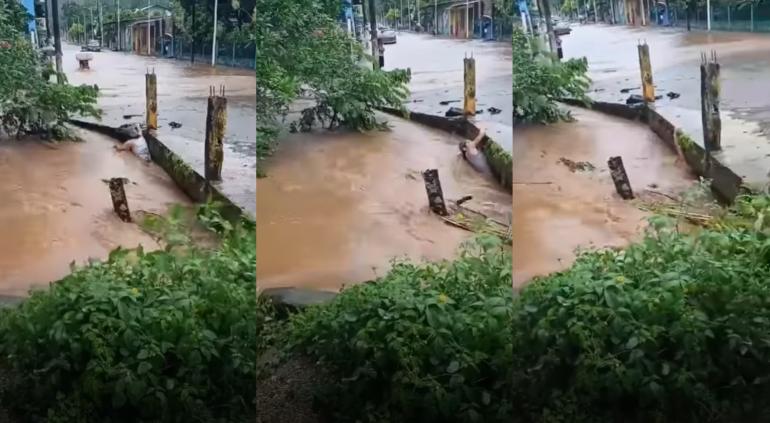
675, 56
337, 207
437, 75
558, 210
182, 97
56, 209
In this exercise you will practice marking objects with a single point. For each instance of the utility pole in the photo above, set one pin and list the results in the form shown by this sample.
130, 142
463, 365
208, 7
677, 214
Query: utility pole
214, 42
708, 15
418, 12
101, 26
57, 40
435, 17
91, 11
373, 26
192, 49
401, 15
549, 25
467, 17
148, 28
120, 46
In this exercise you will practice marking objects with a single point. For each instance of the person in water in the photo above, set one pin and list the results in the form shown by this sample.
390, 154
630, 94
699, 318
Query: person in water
138, 146
472, 153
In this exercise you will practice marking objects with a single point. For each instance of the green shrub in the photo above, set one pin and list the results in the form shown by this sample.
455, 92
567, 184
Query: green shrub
539, 81
166, 336
673, 329
425, 343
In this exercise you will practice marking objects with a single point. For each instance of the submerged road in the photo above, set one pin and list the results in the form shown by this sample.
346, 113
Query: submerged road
437, 75
558, 210
675, 56
336, 208
182, 97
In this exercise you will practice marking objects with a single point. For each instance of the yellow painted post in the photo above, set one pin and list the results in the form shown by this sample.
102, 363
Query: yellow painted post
648, 89
469, 105
151, 95
216, 122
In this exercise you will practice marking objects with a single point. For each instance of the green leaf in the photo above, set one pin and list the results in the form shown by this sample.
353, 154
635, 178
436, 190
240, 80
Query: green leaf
453, 367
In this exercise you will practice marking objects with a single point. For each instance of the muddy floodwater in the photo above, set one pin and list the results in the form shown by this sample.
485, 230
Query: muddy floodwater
336, 208
56, 209
558, 210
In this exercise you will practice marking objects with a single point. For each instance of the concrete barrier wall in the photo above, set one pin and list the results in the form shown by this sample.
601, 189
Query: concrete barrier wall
499, 160
192, 183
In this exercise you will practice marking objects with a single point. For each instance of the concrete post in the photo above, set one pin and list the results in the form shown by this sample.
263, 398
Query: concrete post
216, 122
151, 95
469, 104
620, 178
709, 92
119, 201
648, 89
435, 194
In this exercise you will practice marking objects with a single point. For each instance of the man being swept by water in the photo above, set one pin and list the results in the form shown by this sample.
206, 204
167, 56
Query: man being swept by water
473, 153
134, 143
138, 146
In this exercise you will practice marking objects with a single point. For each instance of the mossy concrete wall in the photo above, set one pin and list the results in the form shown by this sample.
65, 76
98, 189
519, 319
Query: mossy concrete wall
192, 183
725, 183
499, 160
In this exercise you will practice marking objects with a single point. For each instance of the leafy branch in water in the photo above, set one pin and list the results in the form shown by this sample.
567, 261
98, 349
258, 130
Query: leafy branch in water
540, 81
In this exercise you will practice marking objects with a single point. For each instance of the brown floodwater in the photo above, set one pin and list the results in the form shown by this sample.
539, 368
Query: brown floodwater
337, 207
57, 210
557, 211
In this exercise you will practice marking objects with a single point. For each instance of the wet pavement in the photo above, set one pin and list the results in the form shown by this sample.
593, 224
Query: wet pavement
437, 75
675, 57
182, 97
557, 211
58, 210
336, 208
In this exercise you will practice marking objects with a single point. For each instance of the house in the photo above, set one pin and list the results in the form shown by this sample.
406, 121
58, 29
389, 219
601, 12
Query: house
457, 18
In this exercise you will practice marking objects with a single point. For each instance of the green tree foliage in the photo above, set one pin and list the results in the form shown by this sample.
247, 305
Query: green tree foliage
302, 49
539, 81
426, 343
165, 336
76, 31
29, 102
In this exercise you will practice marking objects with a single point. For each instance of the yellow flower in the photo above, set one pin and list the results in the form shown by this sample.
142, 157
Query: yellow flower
620, 279
134, 291
442, 298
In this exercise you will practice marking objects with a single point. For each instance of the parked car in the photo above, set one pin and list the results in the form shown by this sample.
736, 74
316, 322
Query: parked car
92, 45
388, 36
561, 29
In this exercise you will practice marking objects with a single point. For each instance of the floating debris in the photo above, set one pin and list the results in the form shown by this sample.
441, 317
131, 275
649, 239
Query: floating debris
574, 166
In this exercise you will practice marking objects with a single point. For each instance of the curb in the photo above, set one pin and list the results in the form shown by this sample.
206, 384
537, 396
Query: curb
499, 160
186, 178
725, 183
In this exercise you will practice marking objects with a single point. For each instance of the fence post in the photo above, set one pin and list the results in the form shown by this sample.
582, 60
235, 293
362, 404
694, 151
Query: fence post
119, 201
709, 92
216, 122
151, 95
435, 194
469, 105
620, 178
648, 89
